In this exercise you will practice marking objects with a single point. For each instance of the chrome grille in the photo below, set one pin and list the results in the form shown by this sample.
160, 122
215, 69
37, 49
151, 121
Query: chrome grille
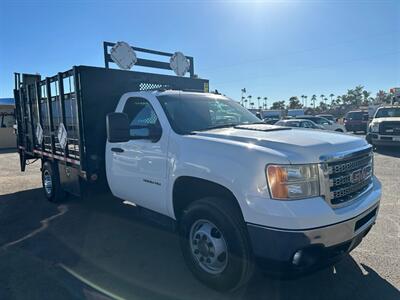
389, 128
348, 176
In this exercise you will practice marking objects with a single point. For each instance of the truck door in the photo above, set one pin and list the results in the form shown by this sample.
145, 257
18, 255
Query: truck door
137, 169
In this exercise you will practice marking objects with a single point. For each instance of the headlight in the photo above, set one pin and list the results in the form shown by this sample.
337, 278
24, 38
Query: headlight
287, 182
374, 127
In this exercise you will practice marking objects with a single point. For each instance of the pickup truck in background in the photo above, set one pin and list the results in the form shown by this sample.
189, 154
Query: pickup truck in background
239, 192
384, 128
356, 121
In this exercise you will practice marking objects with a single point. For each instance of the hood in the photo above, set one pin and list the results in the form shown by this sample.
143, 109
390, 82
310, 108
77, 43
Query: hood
298, 145
387, 119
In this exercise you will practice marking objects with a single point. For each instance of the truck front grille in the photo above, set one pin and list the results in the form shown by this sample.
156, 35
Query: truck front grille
349, 177
389, 128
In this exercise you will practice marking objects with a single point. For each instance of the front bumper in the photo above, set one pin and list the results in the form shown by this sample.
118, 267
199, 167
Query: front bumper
383, 140
283, 251
356, 127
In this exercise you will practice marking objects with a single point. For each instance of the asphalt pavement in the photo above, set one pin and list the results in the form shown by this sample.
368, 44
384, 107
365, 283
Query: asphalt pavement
98, 248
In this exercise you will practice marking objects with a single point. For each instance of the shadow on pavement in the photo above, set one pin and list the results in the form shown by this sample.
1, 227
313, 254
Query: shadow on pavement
103, 244
8, 150
387, 150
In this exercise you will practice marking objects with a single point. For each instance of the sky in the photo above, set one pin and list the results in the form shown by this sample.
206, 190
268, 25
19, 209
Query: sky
274, 49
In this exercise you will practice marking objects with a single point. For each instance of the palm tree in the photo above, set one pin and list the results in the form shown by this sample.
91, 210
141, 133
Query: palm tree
322, 97
243, 90
313, 99
258, 102
265, 102
302, 97
338, 100
331, 96
249, 97
305, 100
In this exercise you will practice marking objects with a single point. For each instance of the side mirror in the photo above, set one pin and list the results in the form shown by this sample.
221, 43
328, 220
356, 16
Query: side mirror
117, 125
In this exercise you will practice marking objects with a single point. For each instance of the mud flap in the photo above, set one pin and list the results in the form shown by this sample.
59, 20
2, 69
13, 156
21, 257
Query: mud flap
22, 160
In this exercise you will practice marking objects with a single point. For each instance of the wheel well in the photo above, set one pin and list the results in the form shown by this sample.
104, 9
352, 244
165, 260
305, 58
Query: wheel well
188, 189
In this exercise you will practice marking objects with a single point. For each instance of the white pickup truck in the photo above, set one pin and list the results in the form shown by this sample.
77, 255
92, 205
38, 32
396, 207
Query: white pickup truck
242, 193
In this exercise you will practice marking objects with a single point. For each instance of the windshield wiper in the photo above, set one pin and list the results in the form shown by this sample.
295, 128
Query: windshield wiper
217, 126
224, 126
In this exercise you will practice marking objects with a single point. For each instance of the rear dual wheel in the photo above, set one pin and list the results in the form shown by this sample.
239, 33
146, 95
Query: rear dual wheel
51, 183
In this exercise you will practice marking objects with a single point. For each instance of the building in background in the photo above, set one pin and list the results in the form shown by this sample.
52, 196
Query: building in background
7, 121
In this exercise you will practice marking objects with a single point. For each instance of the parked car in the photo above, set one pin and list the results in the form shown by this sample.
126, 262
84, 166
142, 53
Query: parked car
328, 125
239, 194
328, 117
384, 128
299, 123
270, 121
356, 121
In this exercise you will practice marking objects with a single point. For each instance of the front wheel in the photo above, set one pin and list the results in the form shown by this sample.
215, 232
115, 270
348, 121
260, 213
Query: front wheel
215, 244
339, 130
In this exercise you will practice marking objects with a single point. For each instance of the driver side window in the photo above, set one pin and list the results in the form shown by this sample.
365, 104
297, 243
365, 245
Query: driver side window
142, 117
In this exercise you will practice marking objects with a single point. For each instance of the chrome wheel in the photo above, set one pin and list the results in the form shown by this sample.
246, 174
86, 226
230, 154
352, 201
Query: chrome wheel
208, 246
47, 183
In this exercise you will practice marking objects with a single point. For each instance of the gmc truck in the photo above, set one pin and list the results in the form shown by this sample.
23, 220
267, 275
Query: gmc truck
240, 193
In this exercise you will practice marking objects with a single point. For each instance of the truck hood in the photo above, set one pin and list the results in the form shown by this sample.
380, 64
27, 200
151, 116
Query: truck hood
298, 145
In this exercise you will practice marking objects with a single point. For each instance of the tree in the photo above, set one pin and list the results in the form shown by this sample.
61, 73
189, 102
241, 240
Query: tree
313, 100
265, 102
383, 97
278, 105
331, 96
302, 98
322, 97
294, 103
366, 97
322, 107
305, 100
249, 98
258, 102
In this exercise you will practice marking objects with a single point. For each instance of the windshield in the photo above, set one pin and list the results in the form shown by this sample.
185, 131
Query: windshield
195, 112
388, 112
357, 116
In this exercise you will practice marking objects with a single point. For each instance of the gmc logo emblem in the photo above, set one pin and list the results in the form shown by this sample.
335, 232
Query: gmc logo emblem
360, 174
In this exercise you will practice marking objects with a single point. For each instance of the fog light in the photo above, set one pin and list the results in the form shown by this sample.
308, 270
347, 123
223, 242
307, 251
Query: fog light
297, 257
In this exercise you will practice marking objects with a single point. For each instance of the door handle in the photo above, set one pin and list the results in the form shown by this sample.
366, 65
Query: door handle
118, 150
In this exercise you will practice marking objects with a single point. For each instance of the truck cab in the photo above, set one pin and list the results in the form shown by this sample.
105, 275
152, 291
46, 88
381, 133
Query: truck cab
196, 156
384, 128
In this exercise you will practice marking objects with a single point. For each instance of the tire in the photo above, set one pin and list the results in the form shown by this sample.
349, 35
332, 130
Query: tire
339, 130
51, 183
222, 224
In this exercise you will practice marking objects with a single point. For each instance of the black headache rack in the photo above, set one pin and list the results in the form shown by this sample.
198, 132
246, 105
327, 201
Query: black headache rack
80, 99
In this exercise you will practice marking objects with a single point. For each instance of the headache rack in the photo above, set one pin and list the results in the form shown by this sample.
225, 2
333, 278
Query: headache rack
80, 98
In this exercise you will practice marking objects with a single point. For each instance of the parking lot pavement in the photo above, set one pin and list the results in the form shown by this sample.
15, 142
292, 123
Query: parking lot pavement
99, 249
